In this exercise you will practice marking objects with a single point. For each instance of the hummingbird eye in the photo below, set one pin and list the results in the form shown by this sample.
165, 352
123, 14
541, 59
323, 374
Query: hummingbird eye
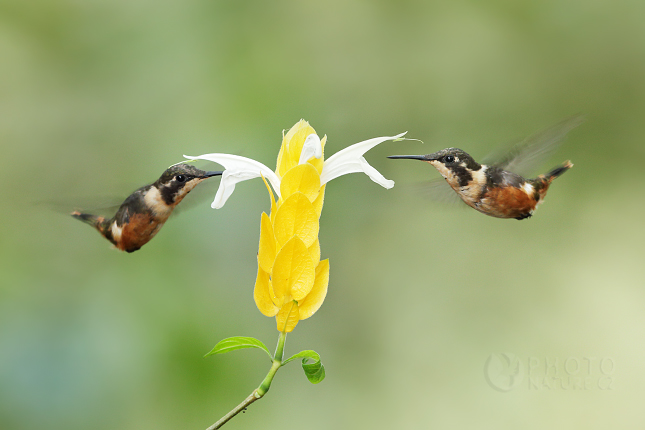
449, 159
180, 178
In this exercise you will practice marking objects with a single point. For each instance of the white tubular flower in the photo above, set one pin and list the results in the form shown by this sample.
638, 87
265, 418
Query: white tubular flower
348, 160
237, 169
351, 160
311, 148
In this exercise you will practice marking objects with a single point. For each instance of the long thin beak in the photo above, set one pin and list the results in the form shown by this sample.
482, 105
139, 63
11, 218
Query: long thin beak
211, 174
411, 157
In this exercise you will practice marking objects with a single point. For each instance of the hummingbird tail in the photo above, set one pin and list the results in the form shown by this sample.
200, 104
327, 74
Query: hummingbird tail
90, 219
558, 171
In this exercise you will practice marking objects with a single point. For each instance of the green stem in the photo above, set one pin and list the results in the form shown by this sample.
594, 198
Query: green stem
259, 392
277, 362
242, 406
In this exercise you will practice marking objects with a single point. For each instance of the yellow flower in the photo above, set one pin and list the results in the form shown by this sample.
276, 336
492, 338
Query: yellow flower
292, 281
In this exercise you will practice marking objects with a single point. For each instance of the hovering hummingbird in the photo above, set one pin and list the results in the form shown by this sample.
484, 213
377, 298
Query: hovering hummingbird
495, 190
144, 212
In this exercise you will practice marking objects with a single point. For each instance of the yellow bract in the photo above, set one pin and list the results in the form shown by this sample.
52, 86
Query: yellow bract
314, 252
296, 217
268, 245
292, 281
310, 304
291, 148
304, 179
293, 272
262, 294
318, 203
288, 317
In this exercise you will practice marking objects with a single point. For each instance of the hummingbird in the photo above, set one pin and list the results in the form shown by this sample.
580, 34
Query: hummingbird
492, 188
144, 212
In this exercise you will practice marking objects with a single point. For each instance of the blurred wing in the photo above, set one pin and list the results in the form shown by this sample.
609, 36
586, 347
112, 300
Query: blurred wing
104, 206
439, 191
524, 157
201, 195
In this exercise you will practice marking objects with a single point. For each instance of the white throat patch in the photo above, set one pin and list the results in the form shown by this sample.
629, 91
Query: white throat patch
155, 202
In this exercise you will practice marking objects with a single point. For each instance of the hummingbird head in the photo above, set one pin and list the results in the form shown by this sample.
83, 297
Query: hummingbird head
454, 164
179, 180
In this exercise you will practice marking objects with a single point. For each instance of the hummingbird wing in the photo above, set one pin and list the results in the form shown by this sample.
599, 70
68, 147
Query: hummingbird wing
201, 195
105, 206
436, 190
523, 158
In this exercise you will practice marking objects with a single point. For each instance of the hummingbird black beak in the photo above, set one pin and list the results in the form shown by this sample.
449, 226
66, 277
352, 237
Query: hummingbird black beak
211, 174
412, 157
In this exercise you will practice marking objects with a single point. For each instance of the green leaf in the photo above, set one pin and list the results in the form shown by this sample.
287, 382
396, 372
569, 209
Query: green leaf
315, 371
238, 342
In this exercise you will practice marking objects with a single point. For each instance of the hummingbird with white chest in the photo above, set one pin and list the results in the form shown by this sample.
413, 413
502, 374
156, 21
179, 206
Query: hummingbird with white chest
498, 189
146, 210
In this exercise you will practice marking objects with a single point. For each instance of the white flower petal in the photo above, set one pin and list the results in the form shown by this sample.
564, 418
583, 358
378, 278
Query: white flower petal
375, 175
351, 160
237, 169
311, 148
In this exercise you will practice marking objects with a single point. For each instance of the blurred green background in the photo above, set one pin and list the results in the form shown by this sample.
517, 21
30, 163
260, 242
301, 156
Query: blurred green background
99, 97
